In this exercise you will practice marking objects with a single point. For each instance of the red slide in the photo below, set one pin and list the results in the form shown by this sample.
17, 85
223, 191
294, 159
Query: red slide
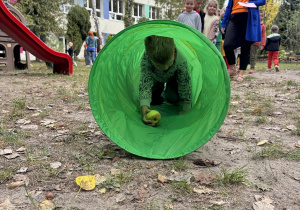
9, 24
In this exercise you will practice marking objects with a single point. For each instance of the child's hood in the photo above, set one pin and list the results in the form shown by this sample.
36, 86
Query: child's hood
273, 35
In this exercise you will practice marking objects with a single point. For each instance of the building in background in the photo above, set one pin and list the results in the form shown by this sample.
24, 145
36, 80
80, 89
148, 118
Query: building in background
111, 14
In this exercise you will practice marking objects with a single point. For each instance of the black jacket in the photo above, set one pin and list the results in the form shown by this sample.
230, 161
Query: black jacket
273, 42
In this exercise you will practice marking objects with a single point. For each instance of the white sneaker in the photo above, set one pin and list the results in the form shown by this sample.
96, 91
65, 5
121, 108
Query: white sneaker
87, 65
268, 70
277, 68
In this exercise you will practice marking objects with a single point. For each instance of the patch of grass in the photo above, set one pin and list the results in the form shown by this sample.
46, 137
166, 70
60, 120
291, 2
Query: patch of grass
81, 106
179, 164
298, 96
19, 105
261, 120
7, 173
123, 177
297, 131
292, 83
275, 151
249, 78
236, 177
182, 187
9, 136
236, 97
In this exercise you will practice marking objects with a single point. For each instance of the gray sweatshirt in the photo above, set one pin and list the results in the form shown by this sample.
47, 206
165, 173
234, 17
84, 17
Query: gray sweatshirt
192, 19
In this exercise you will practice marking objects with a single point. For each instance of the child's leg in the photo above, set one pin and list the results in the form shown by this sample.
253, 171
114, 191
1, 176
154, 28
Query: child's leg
276, 60
157, 90
253, 55
171, 92
270, 54
225, 59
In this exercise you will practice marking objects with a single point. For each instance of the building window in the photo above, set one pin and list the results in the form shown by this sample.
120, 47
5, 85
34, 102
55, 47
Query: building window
137, 12
89, 6
153, 13
116, 10
2, 51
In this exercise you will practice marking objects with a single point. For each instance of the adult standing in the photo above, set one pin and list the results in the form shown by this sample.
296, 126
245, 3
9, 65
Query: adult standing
91, 42
242, 25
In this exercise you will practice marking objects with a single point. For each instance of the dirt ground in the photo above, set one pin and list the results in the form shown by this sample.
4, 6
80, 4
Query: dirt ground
48, 137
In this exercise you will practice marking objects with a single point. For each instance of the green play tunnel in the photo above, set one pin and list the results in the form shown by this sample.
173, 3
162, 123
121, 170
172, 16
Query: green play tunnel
114, 90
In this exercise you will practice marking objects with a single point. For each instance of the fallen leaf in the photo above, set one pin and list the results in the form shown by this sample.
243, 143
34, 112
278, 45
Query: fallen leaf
291, 127
20, 177
161, 178
297, 145
205, 162
7, 151
151, 166
22, 170
63, 131
20, 121
205, 178
21, 150
55, 165
29, 127
277, 113
99, 179
102, 191
57, 187
57, 143
15, 184
115, 171
203, 190
47, 205
86, 182
262, 142
12, 156
291, 176
219, 203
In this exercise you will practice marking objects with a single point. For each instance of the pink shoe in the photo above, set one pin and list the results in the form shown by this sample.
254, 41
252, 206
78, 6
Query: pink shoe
251, 71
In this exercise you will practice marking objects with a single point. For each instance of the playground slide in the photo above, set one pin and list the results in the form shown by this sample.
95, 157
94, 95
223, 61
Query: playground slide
62, 62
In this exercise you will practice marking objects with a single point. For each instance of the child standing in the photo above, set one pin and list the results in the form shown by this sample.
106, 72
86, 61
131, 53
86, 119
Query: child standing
189, 16
163, 63
211, 21
70, 51
85, 54
272, 45
222, 12
255, 46
91, 42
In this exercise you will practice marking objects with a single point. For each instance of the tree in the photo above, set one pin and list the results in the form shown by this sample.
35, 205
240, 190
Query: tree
42, 16
271, 11
287, 10
293, 32
78, 26
172, 8
128, 13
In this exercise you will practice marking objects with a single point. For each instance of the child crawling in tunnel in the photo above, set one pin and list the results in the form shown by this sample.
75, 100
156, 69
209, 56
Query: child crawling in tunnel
163, 69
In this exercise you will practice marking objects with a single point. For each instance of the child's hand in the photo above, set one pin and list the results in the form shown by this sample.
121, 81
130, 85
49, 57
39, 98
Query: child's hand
145, 111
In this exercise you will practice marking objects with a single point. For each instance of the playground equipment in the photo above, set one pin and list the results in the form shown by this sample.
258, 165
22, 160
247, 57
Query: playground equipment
14, 28
114, 89
10, 50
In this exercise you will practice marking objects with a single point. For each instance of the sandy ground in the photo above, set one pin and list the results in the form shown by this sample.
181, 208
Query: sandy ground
49, 116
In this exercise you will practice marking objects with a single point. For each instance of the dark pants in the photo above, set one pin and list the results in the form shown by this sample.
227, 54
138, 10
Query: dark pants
171, 92
236, 37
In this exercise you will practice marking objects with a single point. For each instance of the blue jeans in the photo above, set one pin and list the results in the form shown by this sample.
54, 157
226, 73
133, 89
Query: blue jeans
90, 56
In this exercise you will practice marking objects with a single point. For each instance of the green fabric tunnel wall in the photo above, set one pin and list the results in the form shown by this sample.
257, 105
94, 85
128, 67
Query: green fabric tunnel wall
114, 88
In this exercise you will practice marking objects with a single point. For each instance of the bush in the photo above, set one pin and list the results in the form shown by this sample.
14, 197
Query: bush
78, 25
